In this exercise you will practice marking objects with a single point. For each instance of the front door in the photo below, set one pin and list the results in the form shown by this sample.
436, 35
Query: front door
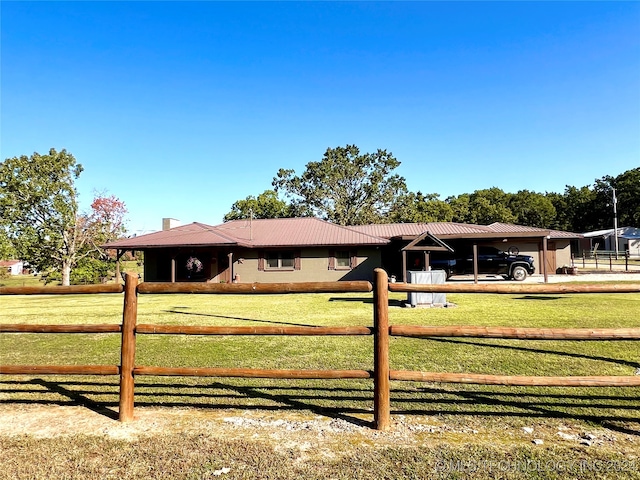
550, 261
220, 268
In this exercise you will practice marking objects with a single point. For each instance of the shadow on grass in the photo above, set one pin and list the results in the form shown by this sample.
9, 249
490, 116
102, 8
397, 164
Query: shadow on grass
537, 297
78, 398
538, 350
367, 300
542, 409
428, 400
212, 315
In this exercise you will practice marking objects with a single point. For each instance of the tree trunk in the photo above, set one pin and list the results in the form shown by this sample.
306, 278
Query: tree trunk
66, 273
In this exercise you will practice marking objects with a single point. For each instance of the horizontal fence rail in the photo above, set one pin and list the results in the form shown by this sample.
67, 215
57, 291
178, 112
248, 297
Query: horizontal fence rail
69, 290
520, 333
209, 330
517, 380
25, 328
381, 331
549, 288
252, 373
60, 369
264, 288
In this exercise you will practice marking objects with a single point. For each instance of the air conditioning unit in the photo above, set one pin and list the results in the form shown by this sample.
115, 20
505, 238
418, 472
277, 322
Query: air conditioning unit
427, 278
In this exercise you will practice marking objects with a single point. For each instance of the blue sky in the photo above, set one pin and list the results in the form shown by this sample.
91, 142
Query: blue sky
180, 109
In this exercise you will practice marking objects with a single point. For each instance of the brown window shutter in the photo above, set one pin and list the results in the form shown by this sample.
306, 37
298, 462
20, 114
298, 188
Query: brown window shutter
261, 260
353, 262
296, 260
332, 260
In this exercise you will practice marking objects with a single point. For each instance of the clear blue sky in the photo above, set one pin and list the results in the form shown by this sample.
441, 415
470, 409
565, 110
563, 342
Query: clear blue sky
180, 109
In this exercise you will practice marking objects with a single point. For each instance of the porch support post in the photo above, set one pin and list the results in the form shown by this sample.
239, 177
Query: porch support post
426, 261
475, 263
173, 268
404, 266
118, 254
230, 267
544, 261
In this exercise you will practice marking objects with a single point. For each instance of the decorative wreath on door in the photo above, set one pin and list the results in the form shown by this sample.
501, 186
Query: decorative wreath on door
194, 265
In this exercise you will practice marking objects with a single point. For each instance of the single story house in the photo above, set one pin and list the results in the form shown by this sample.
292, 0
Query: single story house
310, 249
12, 267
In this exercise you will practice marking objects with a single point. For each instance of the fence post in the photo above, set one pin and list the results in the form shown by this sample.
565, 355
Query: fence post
626, 261
128, 347
381, 387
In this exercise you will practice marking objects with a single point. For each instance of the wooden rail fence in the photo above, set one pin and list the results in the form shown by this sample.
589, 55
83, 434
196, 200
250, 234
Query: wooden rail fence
381, 373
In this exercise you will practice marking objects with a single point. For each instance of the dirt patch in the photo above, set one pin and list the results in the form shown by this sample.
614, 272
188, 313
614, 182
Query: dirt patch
301, 431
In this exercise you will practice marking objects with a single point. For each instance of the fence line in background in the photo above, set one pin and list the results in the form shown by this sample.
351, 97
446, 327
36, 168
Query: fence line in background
593, 257
382, 374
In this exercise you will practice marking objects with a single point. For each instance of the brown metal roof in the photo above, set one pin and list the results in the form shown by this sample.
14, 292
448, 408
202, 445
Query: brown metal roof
511, 228
508, 227
295, 232
309, 231
396, 230
276, 232
458, 230
193, 234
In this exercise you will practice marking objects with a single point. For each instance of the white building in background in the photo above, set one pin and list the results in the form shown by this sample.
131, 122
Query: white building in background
628, 240
12, 267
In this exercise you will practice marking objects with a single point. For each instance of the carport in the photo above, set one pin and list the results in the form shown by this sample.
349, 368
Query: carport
437, 238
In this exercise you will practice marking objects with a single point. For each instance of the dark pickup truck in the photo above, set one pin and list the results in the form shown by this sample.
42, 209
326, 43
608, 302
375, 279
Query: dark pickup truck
490, 261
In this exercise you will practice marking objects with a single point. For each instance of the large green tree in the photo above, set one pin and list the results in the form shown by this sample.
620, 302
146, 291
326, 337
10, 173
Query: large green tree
39, 210
345, 187
532, 209
7, 252
590, 207
420, 208
574, 209
482, 207
265, 205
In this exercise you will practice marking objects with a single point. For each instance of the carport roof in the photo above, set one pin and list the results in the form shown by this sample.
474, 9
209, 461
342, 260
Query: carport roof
451, 230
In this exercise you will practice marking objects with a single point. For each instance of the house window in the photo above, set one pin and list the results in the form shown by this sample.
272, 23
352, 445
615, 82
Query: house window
342, 260
285, 260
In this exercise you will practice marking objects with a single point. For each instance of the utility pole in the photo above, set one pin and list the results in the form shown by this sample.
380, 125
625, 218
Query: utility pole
615, 220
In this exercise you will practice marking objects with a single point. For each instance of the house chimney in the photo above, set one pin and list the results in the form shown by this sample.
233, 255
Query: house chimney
169, 223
